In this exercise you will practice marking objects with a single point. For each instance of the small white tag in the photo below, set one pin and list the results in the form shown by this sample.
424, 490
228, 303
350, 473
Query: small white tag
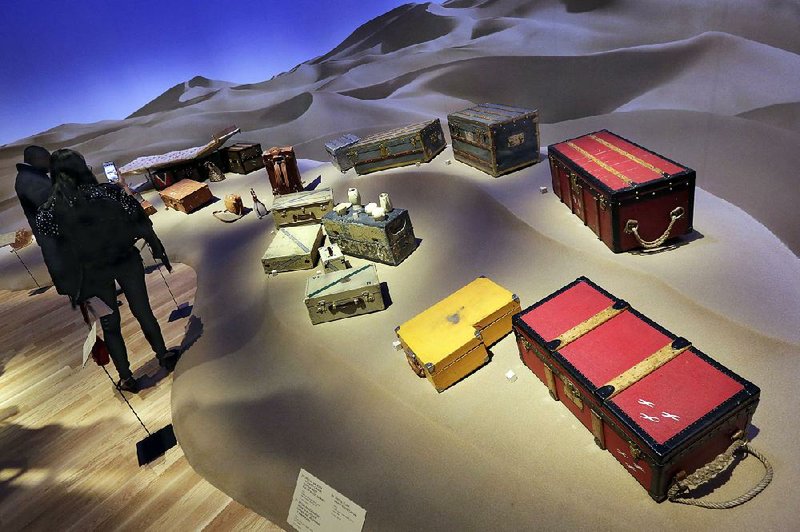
511, 376
89, 343
318, 507
397, 345
543, 190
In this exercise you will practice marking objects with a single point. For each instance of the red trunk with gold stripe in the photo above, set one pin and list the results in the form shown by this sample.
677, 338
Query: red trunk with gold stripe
659, 405
628, 195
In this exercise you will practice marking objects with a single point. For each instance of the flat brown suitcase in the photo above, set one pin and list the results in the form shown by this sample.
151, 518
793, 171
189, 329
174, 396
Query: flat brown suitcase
186, 196
284, 175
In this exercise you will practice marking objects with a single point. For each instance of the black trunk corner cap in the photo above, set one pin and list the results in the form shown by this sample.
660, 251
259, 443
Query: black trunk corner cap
604, 392
680, 343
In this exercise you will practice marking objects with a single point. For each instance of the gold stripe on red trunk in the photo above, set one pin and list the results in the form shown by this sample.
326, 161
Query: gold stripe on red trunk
600, 163
588, 325
630, 156
644, 368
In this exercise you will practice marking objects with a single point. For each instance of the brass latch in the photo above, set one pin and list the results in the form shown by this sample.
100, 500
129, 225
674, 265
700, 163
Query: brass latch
635, 452
572, 392
573, 180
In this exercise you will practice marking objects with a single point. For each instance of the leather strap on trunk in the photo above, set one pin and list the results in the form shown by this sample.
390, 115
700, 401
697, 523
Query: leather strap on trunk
588, 325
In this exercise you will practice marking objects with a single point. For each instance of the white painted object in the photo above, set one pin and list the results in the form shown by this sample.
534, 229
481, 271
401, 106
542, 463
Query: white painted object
353, 196
386, 202
369, 207
378, 214
397, 345
511, 376
342, 208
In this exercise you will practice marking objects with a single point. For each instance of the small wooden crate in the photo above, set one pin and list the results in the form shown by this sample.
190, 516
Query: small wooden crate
186, 196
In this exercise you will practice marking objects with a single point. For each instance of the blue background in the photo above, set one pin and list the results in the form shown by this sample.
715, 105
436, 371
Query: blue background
91, 60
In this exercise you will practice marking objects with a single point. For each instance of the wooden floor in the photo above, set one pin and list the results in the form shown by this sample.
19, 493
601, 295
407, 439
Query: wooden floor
68, 441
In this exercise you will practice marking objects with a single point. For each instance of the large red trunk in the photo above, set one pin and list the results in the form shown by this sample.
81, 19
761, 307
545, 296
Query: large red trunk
628, 195
661, 407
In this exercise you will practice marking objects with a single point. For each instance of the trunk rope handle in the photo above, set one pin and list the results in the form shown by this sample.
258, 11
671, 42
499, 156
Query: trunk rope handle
711, 470
632, 227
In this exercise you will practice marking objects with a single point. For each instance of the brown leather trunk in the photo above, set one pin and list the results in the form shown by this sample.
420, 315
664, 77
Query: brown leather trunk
186, 196
284, 176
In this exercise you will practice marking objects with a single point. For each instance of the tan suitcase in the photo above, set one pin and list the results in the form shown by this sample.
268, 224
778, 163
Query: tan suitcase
297, 208
293, 248
336, 295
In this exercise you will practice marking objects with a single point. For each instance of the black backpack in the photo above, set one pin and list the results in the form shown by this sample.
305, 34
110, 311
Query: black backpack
99, 231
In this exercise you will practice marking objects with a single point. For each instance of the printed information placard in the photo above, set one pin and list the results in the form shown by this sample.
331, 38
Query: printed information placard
318, 507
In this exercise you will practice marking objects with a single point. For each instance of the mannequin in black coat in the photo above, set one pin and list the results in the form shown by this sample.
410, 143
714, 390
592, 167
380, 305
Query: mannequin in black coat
99, 224
33, 188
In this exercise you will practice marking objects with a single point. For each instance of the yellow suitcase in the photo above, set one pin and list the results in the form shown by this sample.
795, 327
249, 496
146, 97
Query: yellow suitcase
449, 340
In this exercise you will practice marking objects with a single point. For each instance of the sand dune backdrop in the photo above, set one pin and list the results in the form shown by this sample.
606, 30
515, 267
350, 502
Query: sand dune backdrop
714, 85
569, 59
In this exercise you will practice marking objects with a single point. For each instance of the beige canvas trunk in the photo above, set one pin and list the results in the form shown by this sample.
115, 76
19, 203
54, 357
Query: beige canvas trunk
293, 248
336, 295
297, 208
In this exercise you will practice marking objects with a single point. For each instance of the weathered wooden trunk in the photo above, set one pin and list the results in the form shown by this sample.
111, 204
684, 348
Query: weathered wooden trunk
359, 234
494, 138
629, 196
243, 157
660, 406
341, 294
416, 143
337, 149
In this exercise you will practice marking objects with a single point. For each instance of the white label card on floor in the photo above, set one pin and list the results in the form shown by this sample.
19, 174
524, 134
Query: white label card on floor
318, 507
89, 343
